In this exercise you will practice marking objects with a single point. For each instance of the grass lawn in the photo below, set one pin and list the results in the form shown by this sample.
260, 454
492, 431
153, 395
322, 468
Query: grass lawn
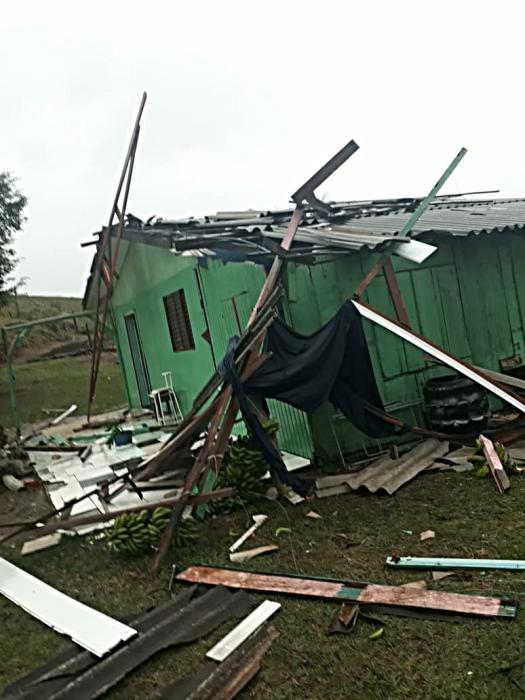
413, 659
58, 384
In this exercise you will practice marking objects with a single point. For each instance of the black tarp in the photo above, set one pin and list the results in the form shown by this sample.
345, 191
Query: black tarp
332, 364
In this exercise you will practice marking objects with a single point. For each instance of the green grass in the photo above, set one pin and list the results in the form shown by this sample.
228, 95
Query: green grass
31, 308
58, 384
413, 659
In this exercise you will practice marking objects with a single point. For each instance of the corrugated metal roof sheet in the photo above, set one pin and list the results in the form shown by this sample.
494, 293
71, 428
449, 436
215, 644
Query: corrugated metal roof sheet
350, 226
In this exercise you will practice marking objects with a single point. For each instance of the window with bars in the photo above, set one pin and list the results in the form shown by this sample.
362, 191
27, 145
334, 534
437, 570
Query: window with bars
179, 321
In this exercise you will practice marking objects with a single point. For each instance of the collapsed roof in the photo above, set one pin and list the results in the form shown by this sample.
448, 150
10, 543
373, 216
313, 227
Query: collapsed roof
347, 227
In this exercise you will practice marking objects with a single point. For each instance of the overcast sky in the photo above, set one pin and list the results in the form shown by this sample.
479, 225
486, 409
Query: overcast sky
245, 101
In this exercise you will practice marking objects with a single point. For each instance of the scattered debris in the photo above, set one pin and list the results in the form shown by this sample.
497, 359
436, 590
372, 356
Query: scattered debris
347, 541
440, 575
455, 563
427, 535
40, 543
347, 617
87, 627
407, 532
258, 521
457, 460
384, 474
223, 681
388, 597
315, 516
183, 620
377, 634
282, 531
64, 415
243, 630
12, 483
495, 465
348, 614
272, 494
246, 555
439, 354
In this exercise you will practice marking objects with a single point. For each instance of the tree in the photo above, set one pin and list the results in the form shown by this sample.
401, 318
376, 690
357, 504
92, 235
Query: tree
12, 204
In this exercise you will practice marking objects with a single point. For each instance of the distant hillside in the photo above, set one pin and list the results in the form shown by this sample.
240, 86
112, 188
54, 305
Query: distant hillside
48, 336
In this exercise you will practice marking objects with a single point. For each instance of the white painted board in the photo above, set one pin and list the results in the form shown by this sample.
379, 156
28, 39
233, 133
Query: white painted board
96, 632
243, 630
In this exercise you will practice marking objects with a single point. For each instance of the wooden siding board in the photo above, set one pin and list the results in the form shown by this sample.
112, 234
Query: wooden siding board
481, 284
448, 295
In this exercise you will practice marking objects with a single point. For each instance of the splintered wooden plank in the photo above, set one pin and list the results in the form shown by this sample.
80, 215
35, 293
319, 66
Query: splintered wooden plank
495, 465
435, 600
395, 596
269, 583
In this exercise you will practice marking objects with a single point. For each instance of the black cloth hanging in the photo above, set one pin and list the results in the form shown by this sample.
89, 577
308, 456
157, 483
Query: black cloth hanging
332, 364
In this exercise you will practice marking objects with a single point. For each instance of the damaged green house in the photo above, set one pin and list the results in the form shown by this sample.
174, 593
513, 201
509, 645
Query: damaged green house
184, 287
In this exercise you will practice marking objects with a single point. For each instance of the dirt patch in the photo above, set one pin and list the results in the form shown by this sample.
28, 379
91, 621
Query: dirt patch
21, 506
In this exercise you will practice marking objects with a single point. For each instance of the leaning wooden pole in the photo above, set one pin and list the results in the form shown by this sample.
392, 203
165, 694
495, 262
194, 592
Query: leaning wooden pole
221, 423
107, 259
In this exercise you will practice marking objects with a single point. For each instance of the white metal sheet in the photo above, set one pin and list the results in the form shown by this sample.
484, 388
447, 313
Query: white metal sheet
440, 354
96, 632
243, 630
415, 251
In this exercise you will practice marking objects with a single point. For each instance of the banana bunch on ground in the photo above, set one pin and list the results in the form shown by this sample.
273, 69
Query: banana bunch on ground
480, 463
243, 469
140, 532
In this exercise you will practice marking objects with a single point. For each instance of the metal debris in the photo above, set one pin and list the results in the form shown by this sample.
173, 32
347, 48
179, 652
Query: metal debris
385, 474
448, 563
223, 681
90, 628
179, 621
243, 630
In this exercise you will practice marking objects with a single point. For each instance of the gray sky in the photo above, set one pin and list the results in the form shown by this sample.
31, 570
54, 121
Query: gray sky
245, 101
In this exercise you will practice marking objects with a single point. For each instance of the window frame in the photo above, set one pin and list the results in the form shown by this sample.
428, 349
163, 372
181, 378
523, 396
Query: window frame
176, 311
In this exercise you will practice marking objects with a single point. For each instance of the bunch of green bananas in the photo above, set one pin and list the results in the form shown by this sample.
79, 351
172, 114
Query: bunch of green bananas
479, 461
140, 532
243, 469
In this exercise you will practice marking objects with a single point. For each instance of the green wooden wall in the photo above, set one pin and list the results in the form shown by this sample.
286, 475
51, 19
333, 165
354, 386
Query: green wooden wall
146, 276
468, 297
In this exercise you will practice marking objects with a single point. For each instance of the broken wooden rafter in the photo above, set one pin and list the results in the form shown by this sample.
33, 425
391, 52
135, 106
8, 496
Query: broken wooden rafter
352, 592
80, 520
402, 235
106, 259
